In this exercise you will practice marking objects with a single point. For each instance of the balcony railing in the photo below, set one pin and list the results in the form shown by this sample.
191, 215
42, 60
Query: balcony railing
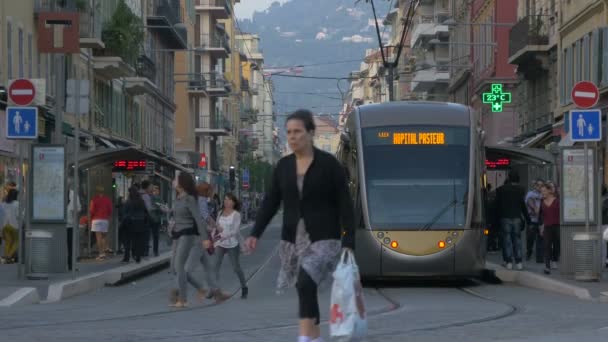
168, 9
213, 41
530, 30
214, 80
165, 18
214, 122
145, 68
214, 3
197, 82
244, 84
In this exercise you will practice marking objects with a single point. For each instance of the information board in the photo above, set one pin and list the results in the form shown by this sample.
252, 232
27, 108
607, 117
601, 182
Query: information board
573, 185
48, 183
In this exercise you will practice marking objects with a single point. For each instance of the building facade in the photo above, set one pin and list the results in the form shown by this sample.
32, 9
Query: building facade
490, 56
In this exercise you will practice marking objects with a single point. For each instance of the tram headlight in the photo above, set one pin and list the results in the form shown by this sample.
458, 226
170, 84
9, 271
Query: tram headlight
486, 232
441, 244
394, 244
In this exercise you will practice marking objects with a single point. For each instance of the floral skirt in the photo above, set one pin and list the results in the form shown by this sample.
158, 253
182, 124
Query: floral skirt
318, 259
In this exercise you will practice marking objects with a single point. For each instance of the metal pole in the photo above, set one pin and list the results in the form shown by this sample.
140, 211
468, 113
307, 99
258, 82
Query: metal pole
76, 164
59, 82
586, 187
20, 217
390, 77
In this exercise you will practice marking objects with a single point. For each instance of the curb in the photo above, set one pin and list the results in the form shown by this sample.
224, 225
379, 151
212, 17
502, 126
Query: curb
537, 281
22, 296
115, 276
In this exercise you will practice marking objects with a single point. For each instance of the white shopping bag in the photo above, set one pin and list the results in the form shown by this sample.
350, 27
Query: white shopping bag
348, 321
605, 233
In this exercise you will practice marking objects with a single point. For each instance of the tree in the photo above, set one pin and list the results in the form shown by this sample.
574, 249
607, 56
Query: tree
123, 34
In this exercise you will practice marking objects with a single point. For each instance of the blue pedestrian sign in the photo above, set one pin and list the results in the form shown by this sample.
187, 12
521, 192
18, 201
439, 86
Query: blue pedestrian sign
21, 122
586, 125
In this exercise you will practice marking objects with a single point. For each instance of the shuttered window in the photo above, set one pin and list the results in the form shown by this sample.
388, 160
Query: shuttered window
585, 63
595, 59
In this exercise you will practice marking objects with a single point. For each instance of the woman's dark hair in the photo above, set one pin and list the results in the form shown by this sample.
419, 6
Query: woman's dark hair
232, 197
186, 182
12, 196
305, 116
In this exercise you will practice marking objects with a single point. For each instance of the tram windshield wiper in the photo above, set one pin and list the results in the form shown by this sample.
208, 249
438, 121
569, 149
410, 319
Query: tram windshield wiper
439, 215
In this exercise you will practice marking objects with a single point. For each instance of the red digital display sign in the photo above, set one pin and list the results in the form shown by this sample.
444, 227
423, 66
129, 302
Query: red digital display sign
497, 164
130, 165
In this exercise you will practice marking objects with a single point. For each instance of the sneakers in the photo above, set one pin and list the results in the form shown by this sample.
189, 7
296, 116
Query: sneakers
244, 292
519, 266
509, 266
547, 271
553, 265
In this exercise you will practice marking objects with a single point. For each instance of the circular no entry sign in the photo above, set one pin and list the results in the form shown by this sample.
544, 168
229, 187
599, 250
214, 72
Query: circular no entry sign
22, 92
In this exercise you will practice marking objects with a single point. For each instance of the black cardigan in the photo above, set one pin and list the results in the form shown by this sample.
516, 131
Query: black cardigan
326, 204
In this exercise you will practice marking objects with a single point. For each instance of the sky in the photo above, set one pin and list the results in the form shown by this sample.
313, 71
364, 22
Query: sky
245, 9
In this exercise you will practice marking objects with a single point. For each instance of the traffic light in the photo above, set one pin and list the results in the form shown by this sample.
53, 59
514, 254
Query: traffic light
232, 178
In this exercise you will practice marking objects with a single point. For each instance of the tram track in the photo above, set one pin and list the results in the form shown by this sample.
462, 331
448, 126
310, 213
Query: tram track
393, 307
149, 314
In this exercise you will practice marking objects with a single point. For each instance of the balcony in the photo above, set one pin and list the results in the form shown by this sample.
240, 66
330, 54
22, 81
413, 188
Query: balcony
219, 8
428, 28
218, 45
527, 38
197, 85
249, 115
143, 82
166, 19
216, 85
108, 65
216, 125
244, 84
90, 27
426, 80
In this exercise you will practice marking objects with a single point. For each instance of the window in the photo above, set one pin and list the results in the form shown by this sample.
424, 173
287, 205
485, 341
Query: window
595, 57
562, 74
30, 52
9, 49
586, 63
21, 56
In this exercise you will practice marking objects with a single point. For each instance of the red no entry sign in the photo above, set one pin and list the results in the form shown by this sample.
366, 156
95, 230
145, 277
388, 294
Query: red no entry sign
585, 94
22, 92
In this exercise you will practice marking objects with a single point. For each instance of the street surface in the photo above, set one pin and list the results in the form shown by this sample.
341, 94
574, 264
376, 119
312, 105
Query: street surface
465, 311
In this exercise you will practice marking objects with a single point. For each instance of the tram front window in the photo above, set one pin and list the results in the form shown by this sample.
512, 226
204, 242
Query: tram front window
416, 177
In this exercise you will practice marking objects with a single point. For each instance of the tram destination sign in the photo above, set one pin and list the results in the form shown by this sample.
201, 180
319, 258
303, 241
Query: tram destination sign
416, 136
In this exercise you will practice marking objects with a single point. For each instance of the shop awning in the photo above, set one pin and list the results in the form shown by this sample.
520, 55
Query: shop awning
524, 154
109, 155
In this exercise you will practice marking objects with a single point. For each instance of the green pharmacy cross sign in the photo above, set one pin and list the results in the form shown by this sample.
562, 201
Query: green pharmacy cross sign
496, 98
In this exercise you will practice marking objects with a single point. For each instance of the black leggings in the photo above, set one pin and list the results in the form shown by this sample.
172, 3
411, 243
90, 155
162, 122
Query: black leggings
307, 297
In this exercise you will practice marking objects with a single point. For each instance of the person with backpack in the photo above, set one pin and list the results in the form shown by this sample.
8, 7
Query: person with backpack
135, 222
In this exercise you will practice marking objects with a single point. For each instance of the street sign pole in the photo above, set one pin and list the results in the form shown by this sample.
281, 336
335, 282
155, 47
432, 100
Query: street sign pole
22, 200
586, 147
75, 202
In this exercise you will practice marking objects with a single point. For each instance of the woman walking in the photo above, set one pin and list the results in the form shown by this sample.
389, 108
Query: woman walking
136, 221
318, 211
229, 224
551, 222
205, 192
188, 224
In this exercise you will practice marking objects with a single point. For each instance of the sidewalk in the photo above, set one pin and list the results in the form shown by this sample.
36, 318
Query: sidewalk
533, 276
90, 276
14, 291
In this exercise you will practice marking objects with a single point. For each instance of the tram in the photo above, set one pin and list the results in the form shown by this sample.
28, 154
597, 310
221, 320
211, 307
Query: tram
416, 173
